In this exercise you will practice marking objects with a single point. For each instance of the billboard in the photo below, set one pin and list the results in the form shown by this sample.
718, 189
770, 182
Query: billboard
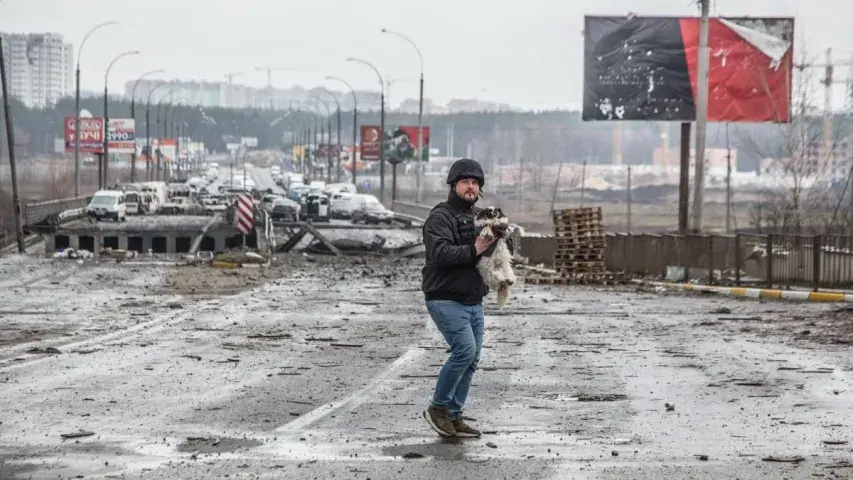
91, 134
371, 143
400, 143
167, 148
645, 68
122, 135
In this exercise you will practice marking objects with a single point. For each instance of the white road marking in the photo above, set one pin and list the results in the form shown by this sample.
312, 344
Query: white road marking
354, 399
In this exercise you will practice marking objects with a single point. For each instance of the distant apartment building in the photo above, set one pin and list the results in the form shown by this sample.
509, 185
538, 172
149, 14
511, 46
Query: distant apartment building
39, 66
831, 164
233, 95
715, 158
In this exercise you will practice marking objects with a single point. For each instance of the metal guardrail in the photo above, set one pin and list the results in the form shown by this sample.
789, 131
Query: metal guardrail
414, 210
36, 213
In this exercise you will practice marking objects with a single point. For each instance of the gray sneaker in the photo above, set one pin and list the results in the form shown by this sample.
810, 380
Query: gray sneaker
439, 419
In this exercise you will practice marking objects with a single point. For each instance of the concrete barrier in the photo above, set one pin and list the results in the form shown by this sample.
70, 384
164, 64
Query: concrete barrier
795, 295
36, 213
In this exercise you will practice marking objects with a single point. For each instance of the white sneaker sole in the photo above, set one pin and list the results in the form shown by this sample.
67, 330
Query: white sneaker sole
435, 427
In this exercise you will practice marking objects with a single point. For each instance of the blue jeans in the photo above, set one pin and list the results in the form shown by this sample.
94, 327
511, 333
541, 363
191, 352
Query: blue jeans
462, 327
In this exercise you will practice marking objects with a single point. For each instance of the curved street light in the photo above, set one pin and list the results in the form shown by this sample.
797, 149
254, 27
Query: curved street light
328, 135
354, 124
381, 124
161, 133
304, 136
420, 154
133, 116
77, 105
317, 119
106, 157
176, 129
338, 121
148, 175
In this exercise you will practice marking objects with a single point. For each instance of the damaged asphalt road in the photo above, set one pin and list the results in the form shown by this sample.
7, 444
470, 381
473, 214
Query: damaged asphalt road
177, 372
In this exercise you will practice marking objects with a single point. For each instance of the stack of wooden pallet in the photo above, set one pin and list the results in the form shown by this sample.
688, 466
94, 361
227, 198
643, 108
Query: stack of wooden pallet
579, 252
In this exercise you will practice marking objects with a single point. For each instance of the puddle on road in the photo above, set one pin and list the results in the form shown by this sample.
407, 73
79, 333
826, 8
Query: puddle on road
448, 449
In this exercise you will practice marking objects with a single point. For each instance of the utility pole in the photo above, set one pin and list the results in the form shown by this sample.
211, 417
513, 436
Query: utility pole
701, 114
518, 155
10, 139
729, 206
629, 200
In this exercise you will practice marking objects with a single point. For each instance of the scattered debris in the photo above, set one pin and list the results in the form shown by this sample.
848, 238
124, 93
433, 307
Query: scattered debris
80, 434
784, 459
600, 397
70, 253
44, 351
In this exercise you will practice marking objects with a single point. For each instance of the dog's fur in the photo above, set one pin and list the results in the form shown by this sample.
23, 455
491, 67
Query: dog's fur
496, 269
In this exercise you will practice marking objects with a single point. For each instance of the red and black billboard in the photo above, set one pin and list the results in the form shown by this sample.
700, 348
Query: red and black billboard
645, 68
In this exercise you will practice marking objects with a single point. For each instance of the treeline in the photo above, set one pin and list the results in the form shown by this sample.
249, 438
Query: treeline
544, 137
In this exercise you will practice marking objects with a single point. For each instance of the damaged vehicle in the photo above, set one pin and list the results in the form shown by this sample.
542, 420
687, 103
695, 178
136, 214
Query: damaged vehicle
284, 209
314, 207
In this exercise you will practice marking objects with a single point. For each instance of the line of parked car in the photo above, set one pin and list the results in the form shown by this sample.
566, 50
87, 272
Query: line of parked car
160, 198
316, 201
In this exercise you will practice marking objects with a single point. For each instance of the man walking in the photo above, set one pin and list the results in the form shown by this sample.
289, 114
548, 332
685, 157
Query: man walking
454, 292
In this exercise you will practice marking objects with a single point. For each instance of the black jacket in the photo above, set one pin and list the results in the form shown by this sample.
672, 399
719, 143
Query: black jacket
450, 271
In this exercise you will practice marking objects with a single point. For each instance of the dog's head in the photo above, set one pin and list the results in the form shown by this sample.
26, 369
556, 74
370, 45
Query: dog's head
493, 218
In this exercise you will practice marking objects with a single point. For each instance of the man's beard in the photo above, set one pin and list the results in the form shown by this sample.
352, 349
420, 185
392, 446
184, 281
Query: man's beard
465, 198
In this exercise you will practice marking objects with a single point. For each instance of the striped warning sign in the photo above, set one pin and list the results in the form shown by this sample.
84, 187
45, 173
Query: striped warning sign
244, 218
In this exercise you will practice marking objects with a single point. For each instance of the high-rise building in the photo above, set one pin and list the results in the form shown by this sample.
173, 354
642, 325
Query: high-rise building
233, 95
39, 68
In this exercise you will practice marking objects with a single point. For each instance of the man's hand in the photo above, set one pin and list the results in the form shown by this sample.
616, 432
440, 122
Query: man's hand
482, 244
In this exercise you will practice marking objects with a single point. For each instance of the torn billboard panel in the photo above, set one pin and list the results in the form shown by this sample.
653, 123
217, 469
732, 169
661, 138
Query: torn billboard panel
645, 68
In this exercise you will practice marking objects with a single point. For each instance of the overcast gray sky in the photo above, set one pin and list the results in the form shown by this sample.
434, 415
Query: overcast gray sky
526, 53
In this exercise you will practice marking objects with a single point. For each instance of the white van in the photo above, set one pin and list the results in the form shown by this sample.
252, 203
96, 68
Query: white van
107, 204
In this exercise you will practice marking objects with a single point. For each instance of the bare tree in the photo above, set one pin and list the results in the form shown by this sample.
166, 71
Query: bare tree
798, 166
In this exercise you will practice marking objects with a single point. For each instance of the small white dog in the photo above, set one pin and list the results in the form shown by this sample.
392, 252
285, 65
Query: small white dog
496, 269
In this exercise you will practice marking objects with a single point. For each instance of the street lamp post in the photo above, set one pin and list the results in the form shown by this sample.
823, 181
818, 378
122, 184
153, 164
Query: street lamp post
133, 116
106, 155
328, 135
381, 124
303, 136
354, 125
420, 153
160, 134
148, 176
176, 161
338, 121
311, 138
77, 108
319, 116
